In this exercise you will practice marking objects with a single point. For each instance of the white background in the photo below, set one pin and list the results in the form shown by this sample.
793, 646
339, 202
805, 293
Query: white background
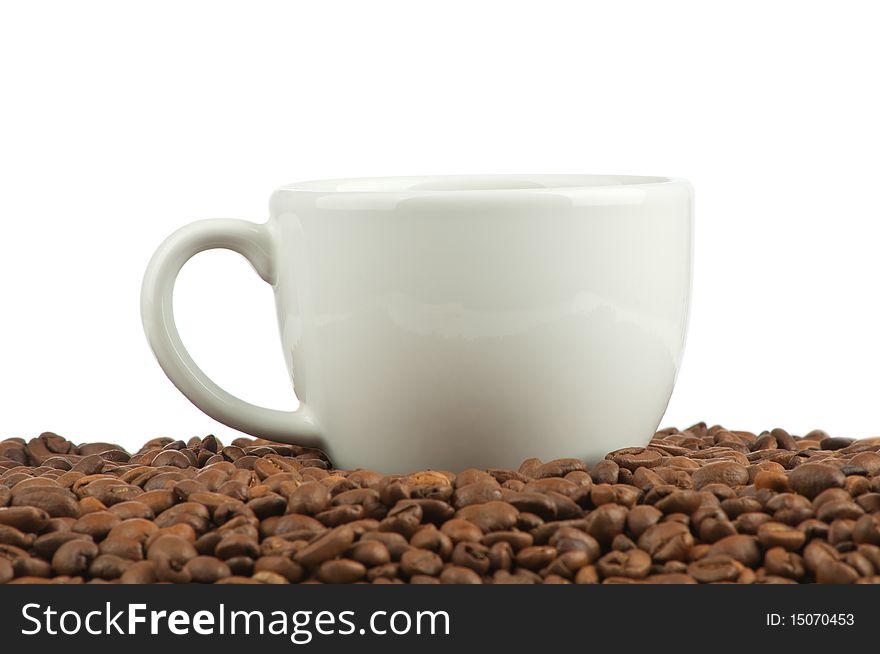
120, 121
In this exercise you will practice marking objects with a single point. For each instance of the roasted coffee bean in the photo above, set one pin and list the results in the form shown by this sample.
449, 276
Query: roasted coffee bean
241, 565
867, 529
478, 492
237, 545
606, 522
96, 525
421, 562
777, 534
108, 566
370, 552
501, 556
835, 572
639, 518
605, 472
705, 505
394, 542
474, 556
431, 538
27, 519
666, 541
712, 569
455, 574
12, 536
125, 548
782, 563
206, 569
56, 501
459, 530
633, 563
683, 501
327, 546
728, 473
490, 516
517, 539
290, 570
269, 577
403, 519
170, 554
310, 498
743, 548
810, 479
567, 539
429, 484
74, 557
341, 571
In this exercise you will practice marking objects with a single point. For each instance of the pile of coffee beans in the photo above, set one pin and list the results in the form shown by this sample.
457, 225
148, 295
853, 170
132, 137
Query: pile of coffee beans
703, 505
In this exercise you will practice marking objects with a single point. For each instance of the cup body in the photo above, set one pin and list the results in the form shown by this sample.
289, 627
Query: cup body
450, 322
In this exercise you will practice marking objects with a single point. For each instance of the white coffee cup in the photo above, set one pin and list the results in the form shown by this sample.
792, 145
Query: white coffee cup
456, 321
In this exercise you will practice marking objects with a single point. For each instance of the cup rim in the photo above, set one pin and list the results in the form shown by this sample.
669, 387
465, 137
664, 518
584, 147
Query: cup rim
477, 184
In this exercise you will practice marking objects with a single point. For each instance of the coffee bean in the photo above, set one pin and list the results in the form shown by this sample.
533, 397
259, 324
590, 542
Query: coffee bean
421, 562
683, 501
517, 539
27, 519
836, 443
394, 542
605, 472
835, 572
501, 556
327, 546
743, 548
587, 575
474, 556
456, 574
341, 571
633, 563
74, 557
7, 572
242, 566
478, 492
867, 529
281, 565
125, 548
31, 567
237, 545
490, 516
170, 554
712, 569
57, 502
606, 522
666, 541
429, 485
705, 505
97, 524
810, 479
639, 518
780, 562
777, 534
12, 536
310, 498
459, 529
403, 519
371, 553
431, 538
728, 473
108, 566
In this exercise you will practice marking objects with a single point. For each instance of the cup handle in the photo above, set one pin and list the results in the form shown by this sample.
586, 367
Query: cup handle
253, 242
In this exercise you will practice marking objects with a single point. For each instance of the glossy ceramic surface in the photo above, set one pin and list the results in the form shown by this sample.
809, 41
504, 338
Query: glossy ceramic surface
448, 322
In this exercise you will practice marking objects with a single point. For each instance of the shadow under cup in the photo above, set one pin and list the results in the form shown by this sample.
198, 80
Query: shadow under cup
454, 322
